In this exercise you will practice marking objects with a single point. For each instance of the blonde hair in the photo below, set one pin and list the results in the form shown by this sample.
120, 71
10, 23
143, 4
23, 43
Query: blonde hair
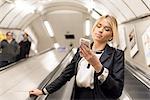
113, 24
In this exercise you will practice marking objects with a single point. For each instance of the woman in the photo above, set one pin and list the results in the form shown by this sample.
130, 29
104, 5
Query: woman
99, 73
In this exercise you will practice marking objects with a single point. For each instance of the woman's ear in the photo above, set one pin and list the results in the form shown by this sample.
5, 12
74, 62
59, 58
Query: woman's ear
111, 38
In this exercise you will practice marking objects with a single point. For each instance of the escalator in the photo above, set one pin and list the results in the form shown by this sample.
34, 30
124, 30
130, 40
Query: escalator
37, 72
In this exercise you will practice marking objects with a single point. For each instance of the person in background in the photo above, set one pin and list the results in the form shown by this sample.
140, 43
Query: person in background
25, 45
99, 73
10, 49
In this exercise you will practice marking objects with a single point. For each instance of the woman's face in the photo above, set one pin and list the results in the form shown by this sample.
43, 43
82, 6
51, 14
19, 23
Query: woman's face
102, 32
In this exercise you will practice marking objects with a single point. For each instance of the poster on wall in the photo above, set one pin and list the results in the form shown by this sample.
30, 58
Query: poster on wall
146, 45
122, 40
133, 42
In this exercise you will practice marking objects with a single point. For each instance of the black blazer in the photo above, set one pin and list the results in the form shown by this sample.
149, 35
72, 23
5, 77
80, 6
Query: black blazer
113, 60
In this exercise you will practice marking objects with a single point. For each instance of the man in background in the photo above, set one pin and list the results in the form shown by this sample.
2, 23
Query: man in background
9, 50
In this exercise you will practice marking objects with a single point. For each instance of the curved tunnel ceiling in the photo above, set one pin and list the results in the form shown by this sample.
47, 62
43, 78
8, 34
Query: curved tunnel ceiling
124, 10
54, 6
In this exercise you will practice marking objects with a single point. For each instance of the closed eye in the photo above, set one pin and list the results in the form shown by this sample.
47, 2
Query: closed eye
107, 28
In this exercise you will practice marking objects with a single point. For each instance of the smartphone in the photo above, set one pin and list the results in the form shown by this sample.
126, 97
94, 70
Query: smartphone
85, 42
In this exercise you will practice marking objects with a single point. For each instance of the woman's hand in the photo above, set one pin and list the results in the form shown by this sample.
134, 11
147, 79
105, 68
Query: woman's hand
36, 92
89, 55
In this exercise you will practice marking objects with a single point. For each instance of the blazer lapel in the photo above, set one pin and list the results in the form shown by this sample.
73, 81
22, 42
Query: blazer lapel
106, 55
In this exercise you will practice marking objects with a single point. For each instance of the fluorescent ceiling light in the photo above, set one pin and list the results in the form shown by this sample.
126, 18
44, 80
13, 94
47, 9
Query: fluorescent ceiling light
87, 27
49, 28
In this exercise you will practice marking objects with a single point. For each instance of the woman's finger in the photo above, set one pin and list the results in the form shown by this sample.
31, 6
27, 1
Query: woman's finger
83, 51
86, 52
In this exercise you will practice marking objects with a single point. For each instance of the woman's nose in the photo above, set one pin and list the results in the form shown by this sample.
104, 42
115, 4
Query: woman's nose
101, 30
